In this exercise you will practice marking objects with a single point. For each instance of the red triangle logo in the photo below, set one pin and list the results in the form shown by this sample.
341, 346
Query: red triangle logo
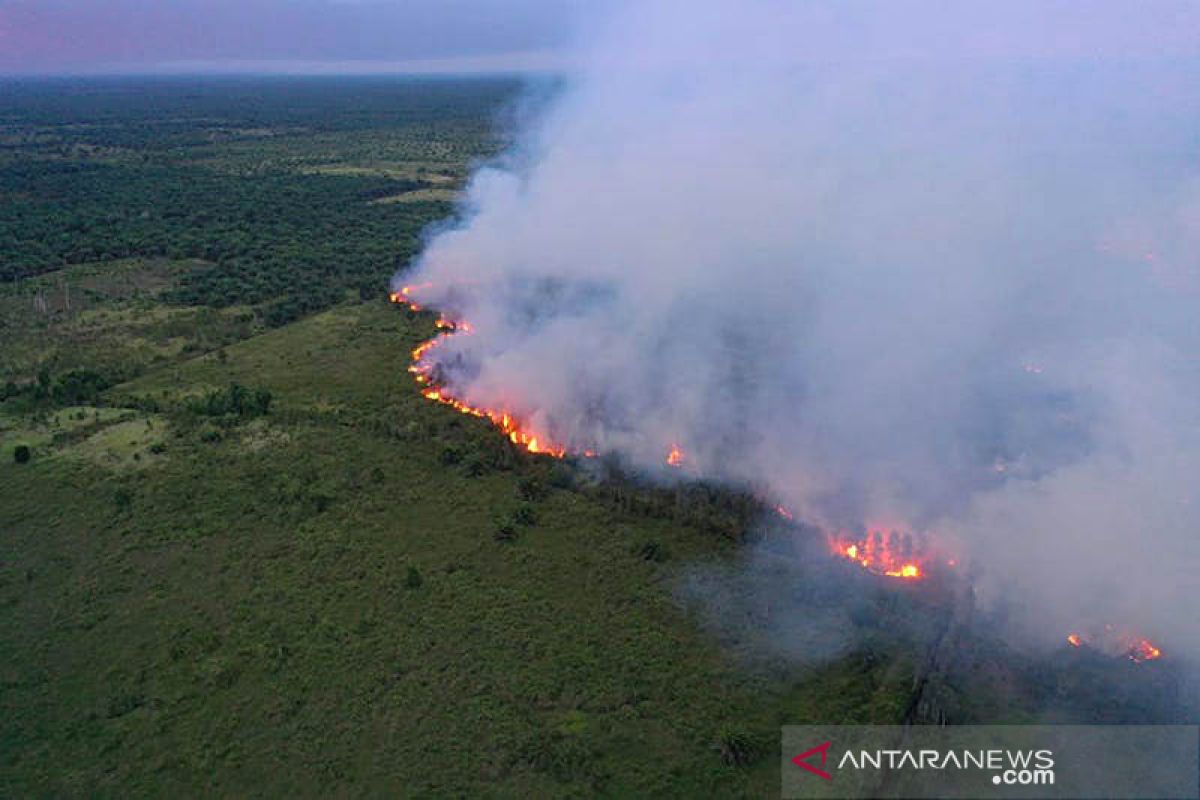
801, 760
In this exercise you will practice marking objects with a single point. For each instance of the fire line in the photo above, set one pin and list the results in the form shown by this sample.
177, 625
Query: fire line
517, 432
1137, 649
878, 552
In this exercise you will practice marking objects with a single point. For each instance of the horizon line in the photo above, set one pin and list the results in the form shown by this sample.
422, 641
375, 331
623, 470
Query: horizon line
509, 63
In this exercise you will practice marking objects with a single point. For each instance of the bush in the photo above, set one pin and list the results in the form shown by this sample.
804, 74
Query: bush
651, 551
505, 531
562, 476
236, 400
413, 579
79, 386
473, 467
524, 515
531, 489
322, 500
736, 747
22, 454
123, 499
566, 756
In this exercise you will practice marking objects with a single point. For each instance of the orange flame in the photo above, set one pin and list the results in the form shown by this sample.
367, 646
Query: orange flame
1137, 649
404, 296
1143, 650
883, 552
675, 457
517, 432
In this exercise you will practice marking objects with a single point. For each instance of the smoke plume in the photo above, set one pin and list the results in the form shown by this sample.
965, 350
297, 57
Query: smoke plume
884, 263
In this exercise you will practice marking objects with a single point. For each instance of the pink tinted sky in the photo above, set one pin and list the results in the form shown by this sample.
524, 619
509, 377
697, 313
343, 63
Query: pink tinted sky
131, 35
39, 36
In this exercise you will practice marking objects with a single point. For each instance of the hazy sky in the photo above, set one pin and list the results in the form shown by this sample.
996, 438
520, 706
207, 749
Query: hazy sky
280, 35
39, 36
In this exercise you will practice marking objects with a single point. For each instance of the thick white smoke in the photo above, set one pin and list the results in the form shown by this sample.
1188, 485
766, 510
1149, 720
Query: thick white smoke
879, 262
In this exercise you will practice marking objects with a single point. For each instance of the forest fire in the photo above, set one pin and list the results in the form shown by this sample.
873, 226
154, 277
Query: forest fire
881, 551
675, 456
517, 432
1143, 650
1137, 649
404, 296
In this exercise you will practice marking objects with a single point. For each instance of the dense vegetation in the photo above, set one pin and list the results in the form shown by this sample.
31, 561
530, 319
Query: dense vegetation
259, 180
275, 237
242, 555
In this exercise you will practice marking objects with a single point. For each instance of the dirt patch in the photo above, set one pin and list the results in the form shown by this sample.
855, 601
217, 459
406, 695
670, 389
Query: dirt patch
418, 196
134, 444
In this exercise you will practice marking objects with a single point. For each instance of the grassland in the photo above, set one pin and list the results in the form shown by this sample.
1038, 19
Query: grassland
316, 601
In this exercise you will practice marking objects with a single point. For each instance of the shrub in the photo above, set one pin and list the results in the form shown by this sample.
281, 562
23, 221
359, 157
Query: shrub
531, 489
562, 477
505, 531
736, 747
651, 551
413, 579
322, 500
22, 454
123, 499
79, 386
495, 452
524, 515
473, 467
566, 756
237, 400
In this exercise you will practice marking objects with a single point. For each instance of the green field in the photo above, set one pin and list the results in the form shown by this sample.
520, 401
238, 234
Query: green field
245, 557
317, 599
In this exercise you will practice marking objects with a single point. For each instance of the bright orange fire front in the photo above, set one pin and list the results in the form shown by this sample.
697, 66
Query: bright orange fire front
1113, 643
884, 552
517, 432
1143, 650
404, 296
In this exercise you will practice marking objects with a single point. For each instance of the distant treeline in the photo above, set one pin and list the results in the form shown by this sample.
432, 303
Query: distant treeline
183, 112
71, 388
267, 236
221, 170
